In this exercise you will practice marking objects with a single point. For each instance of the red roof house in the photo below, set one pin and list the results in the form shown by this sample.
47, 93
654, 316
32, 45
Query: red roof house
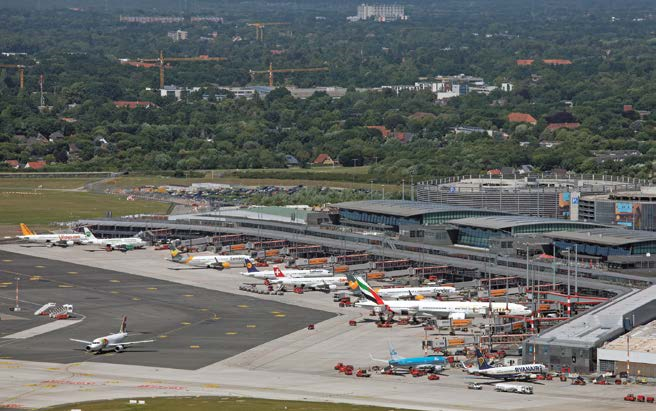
522, 118
383, 130
324, 160
525, 62
35, 165
12, 163
558, 126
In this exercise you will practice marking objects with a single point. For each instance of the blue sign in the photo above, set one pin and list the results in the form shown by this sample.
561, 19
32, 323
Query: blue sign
623, 208
575, 200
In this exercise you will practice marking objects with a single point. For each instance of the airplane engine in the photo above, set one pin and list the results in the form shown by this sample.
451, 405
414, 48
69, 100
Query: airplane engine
87, 348
119, 348
226, 265
69, 242
332, 287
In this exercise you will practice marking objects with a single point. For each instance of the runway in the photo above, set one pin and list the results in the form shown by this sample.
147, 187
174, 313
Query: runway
193, 327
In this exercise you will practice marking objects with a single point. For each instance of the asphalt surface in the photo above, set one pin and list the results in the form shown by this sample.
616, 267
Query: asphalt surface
192, 327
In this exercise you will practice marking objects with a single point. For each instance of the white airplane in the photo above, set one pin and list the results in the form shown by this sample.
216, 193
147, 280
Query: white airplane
252, 271
515, 372
412, 292
51, 239
209, 260
450, 309
127, 243
312, 283
112, 341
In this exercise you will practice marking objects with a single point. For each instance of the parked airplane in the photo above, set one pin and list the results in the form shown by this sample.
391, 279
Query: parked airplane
434, 363
209, 260
450, 309
412, 292
112, 341
252, 271
312, 283
515, 372
62, 240
128, 243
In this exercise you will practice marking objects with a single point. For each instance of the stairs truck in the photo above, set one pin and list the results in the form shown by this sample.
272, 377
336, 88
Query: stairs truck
515, 388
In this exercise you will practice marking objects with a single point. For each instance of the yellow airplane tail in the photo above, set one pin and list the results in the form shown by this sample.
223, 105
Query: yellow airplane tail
26, 230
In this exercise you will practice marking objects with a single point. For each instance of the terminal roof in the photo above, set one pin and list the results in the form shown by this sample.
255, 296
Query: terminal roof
500, 222
605, 236
402, 208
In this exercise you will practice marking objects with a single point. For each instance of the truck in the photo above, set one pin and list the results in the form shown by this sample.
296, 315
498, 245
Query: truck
516, 388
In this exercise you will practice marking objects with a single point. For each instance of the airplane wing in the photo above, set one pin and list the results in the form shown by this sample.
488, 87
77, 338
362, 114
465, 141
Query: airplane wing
80, 341
125, 344
376, 359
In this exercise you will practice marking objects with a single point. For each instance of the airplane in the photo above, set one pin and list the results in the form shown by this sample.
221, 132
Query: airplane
514, 372
413, 292
62, 240
455, 310
312, 283
128, 243
432, 363
207, 261
112, 341
252, 271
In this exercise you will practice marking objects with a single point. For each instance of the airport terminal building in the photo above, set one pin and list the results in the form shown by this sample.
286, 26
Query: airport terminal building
550, 196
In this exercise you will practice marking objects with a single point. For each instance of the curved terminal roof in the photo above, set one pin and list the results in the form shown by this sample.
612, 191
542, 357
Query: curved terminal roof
405, 208
613, 237
508, 222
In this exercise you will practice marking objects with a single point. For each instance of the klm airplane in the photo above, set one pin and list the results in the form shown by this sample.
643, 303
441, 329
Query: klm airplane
433, 363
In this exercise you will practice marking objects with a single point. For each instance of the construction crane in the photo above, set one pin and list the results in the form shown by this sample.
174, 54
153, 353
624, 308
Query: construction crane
21, 72
259, 28
271, 70
162, 60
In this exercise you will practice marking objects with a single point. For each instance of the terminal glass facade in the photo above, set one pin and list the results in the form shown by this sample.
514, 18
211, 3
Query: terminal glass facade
478, 237
641, 248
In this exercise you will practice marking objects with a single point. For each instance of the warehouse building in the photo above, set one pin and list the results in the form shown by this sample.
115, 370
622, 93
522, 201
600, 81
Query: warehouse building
637, 349
573, 345
394, 213
549, 196
478, 231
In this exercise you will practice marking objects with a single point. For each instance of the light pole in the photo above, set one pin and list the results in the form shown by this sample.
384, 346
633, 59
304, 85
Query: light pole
569, 249
371, 189
403, 189
17, 307
576, 269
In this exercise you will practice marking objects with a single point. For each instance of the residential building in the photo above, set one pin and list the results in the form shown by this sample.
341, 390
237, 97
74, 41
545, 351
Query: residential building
36, 165
525, 62
603, 156
178, 35
557, 62
558, 126
507, 87
380, 12
522, 118
292, 161
324, 160
150, 19
12, 164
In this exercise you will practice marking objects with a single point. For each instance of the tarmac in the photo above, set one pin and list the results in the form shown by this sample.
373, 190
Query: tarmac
298, 365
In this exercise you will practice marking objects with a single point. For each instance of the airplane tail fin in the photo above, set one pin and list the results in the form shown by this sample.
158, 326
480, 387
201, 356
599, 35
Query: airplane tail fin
481, 360
26, 230
250, 267
278, 273
368, 292
176, 255
124, 325
89, 234
352, 282
394, 356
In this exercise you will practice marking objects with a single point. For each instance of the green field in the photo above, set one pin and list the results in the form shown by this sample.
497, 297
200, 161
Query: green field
214, 403
49, 183
43, 207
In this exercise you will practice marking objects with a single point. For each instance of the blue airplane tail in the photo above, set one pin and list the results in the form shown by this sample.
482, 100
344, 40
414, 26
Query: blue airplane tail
394, 356
250, 267
481, 360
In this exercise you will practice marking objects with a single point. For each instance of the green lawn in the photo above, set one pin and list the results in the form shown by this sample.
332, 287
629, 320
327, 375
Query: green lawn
214, 403
43, 207
34, 182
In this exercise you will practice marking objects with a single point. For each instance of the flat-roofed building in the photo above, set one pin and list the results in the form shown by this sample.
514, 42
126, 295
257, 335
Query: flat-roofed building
636, 348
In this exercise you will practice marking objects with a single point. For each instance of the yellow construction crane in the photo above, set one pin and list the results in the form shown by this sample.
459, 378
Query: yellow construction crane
21, 73
271, 70
259, 28
162, 60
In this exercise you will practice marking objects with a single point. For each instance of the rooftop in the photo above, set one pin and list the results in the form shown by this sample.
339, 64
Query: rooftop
600, 323
605, 236
499, 222
401, 208
641, 339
